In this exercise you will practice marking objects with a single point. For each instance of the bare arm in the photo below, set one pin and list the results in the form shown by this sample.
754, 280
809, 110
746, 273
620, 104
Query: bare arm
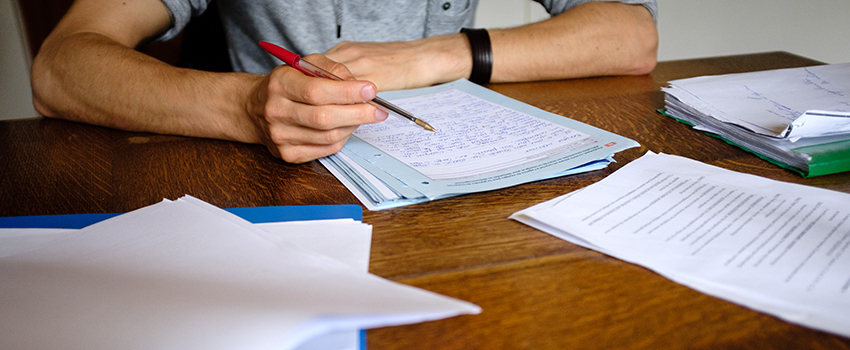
593, 39
87, 70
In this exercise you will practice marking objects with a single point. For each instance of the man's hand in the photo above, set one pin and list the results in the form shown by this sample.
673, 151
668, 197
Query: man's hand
405, 65
301, 118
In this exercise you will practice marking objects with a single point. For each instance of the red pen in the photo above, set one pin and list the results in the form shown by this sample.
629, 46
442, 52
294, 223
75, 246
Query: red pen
314, 71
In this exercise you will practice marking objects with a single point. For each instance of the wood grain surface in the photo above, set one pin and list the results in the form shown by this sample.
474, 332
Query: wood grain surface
537, 291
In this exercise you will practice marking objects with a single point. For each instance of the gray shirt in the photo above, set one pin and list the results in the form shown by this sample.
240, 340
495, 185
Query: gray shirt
311, 26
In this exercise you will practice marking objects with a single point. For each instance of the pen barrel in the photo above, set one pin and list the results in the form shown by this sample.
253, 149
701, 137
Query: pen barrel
314, 70
389, 107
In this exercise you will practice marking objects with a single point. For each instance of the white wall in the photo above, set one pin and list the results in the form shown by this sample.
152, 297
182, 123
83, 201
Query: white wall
15, 93
508, 13
817, 29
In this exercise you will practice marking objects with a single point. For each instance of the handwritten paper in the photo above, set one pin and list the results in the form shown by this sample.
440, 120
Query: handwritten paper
776, 247
476, 137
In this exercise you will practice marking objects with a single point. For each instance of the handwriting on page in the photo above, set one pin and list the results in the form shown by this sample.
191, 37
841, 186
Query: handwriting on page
811, 85
816, 82
773, 99
474, 136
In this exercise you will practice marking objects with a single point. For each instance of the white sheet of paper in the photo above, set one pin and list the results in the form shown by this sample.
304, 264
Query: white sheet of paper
344, 240
821, 123
776, 247
185, 274
19, 241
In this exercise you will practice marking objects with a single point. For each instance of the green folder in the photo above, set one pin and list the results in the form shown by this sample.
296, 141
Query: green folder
826, 158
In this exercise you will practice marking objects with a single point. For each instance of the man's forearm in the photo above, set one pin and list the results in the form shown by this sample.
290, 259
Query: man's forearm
88, 77
593, 39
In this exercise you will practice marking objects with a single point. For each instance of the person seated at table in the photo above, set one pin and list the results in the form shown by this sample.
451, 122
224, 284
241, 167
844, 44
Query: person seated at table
88, 69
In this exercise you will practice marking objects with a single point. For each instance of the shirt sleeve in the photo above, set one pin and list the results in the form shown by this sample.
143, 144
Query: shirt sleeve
181, 11
556, 7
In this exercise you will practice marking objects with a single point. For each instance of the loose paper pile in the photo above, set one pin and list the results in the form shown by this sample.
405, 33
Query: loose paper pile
798, 117
187, 275
484, 141
775, 247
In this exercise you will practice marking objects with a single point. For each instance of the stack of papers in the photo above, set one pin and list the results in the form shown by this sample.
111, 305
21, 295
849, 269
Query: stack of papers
775, 247
187, 275
798, 118
484, 141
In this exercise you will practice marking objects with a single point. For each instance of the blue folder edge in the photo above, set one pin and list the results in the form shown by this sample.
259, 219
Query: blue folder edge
254, 215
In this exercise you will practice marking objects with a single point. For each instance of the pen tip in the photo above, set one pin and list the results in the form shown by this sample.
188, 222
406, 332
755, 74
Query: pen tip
425, 125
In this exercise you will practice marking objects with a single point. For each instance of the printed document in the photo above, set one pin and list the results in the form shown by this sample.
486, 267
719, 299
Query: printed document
775, 247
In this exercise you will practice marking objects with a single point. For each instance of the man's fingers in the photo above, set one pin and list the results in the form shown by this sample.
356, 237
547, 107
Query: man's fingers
326, 143
285, 113
292, 84
282, 134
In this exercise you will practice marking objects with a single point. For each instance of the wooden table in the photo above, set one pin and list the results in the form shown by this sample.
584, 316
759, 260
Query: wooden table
537, 291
